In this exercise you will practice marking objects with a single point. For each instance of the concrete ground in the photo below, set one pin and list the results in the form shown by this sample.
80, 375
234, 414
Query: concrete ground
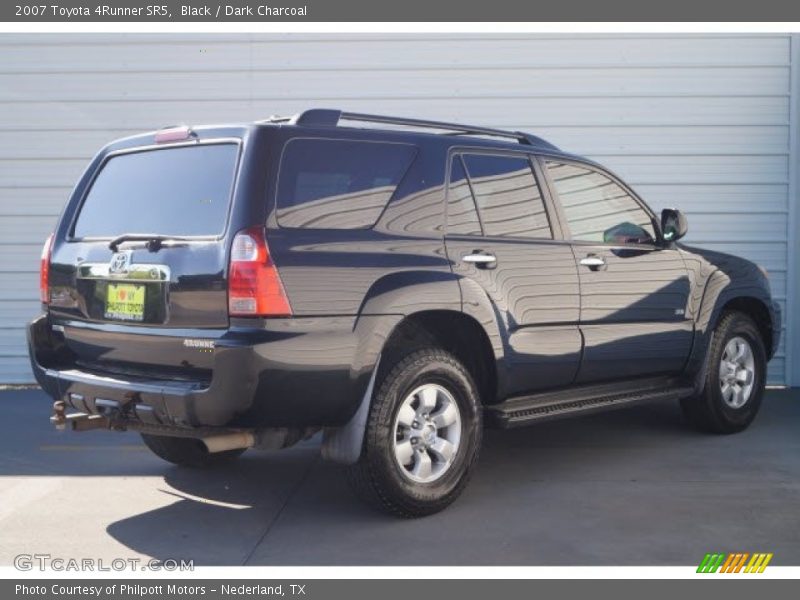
632, 487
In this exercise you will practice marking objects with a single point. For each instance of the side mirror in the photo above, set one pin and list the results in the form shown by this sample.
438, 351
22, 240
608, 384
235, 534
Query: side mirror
673, 224
627, 233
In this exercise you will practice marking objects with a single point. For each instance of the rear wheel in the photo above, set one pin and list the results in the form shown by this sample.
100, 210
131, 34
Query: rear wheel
187, 452
735, 378
422, 437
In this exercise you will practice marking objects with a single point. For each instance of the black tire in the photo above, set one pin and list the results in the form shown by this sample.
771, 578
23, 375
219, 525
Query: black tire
187, 452
708, 411
377, 478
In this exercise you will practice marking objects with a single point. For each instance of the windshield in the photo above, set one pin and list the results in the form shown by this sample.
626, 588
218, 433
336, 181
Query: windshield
182, 191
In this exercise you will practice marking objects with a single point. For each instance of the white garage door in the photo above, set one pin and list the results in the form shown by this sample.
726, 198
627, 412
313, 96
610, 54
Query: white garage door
698, 122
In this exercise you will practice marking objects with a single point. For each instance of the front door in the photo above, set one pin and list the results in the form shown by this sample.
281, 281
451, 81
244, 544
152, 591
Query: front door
634, 291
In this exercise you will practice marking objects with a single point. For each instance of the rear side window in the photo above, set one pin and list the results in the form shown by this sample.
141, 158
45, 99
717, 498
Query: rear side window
508, 197
462, 218
181, 191
338, 184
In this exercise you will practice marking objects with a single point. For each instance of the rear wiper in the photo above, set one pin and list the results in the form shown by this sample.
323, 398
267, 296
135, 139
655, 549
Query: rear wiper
153, 240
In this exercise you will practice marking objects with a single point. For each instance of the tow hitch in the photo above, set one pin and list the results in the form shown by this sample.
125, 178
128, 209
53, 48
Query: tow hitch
76, 421
215, 440
59, 417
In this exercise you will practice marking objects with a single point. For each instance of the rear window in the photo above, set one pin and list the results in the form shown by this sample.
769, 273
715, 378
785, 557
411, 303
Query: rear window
338, 184
170, 191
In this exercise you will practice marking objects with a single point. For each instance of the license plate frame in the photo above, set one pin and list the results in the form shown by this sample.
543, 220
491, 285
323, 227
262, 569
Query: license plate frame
125, 302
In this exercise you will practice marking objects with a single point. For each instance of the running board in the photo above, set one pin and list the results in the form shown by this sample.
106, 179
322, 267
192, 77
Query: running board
579, 401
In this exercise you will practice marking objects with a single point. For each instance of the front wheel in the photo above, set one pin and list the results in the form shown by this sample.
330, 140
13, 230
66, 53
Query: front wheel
735, 378
422, 436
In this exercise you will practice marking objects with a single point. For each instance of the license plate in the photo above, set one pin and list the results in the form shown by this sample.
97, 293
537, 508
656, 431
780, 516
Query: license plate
125, 302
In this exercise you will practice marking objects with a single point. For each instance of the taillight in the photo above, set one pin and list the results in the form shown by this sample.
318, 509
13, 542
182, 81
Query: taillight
44, 270
254, 286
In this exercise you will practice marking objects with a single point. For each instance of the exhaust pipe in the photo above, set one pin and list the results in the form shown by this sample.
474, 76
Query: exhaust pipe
229, 441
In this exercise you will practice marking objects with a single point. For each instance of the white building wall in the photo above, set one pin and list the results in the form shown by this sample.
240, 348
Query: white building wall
698, 122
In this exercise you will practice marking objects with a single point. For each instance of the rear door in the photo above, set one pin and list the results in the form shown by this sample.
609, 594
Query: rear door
634, 291
144, 253
501, 236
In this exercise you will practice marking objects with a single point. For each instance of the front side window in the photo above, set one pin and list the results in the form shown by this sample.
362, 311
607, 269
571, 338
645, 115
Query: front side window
598, 209
508, 197
338, 184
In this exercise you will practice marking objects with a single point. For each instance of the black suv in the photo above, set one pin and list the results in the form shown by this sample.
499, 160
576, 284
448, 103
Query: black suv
392, 285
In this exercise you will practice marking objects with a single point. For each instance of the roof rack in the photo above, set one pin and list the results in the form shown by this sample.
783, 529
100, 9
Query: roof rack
324, 117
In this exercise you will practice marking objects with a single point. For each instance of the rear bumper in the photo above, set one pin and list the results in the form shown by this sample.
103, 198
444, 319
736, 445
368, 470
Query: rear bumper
154, 401
291, 373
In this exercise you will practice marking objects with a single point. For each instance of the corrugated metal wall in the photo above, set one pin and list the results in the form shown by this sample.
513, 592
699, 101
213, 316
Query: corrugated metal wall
698, 122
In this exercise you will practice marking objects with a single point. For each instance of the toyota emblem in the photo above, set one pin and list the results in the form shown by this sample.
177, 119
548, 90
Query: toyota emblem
120, 262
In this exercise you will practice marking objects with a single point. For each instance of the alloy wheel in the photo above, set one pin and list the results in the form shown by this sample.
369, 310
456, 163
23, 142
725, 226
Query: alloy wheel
427, 433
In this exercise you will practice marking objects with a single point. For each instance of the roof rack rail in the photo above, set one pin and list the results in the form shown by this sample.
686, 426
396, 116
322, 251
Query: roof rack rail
324, 117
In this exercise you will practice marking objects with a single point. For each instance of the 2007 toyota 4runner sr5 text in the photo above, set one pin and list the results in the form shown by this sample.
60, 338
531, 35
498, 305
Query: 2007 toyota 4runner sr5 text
393, 285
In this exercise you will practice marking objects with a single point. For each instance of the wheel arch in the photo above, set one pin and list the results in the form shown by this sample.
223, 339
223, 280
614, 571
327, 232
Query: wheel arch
404, 311
444, 310
453, 331
450, 330
743, 288
757, 310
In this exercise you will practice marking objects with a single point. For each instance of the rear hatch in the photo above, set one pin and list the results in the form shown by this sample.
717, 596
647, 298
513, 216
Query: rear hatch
140, 270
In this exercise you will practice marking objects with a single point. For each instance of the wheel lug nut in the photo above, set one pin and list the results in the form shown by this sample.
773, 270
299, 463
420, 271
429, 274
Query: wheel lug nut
414, 441
415, 424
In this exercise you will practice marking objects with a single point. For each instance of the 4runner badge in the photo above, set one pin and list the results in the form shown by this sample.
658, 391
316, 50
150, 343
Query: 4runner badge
205, 345
120, 262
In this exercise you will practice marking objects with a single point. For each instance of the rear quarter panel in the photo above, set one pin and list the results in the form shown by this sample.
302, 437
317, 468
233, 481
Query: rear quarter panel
343, 271
349, 288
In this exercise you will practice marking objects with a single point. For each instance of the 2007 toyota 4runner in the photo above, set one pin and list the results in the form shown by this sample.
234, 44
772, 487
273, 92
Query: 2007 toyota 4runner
392, 284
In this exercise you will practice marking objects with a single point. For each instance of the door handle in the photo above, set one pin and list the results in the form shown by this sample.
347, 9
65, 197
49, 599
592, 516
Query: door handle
593, 261
481, 260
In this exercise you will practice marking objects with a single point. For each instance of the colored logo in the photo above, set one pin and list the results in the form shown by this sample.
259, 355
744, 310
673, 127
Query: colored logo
736, 562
